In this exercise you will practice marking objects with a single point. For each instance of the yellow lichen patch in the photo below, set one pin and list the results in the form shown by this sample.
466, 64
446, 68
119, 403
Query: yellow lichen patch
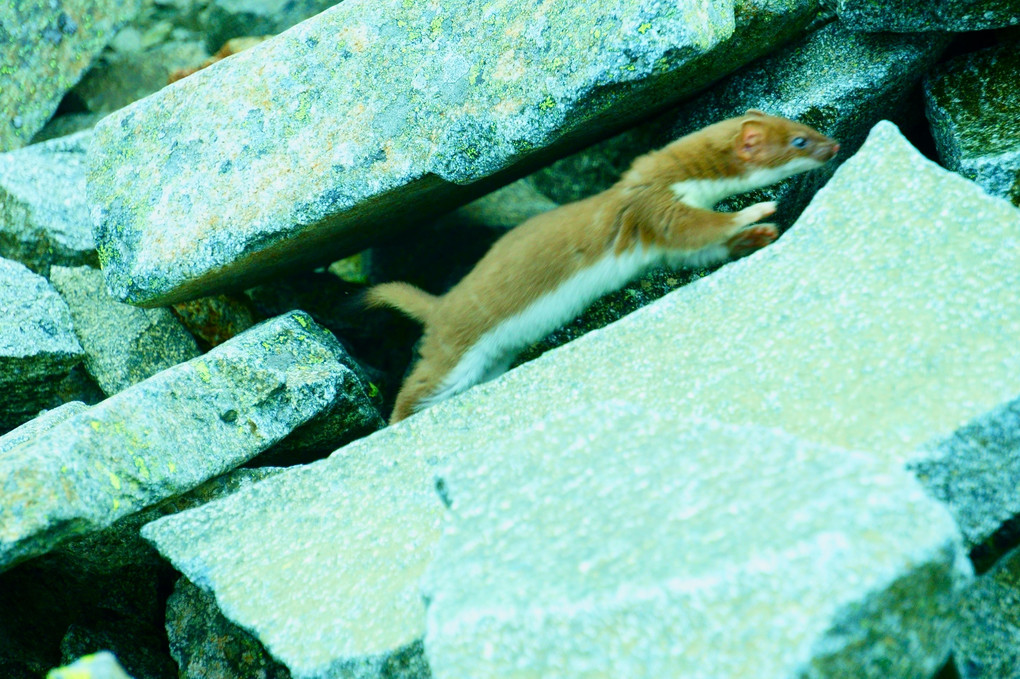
171, 466
203, 371
643, 28
143, 469
548, 103
96, 425
114, 480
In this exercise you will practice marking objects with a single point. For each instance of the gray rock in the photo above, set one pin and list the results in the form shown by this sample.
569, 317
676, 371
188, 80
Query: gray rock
625, 542
43, 216
44, 422
123, 344
101, 665
934, 15
46, 47
222, 20
988, 637
166, 435
975, 471
821, 334
66, 124
206, 644
214, 320
123, 77
971, 102
239, 181
37, 345
50, 603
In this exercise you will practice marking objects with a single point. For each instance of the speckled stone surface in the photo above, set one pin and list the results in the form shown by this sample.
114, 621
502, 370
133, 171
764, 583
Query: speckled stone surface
987, 644
45, 48
821, 334
976, 471
123, 344
249, 169
619, 541
39, 424
165, 435
932, 15
43, 216
37, 344
222, 20
972, 102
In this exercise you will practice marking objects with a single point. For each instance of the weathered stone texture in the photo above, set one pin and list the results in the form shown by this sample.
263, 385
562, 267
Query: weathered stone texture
618, 541
43, 216
166, 435
39, 424
987, 644
931, 15
248, 170
972, 104
37, 344
821, 334
123, 344
44, 49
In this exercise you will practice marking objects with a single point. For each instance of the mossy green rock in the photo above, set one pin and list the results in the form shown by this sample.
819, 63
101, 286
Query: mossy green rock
37, 344
972, 103
615, 541
930, 15
305, 147
123, 344
166, 435
822, 334
989, 632
45, 48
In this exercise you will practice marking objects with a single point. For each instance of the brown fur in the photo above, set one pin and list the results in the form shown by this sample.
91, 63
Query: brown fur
548, 249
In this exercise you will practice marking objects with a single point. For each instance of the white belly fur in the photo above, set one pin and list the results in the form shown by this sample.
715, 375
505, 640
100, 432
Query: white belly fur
494, 351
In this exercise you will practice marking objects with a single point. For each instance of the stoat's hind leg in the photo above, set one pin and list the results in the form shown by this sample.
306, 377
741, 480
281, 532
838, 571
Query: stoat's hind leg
422, 381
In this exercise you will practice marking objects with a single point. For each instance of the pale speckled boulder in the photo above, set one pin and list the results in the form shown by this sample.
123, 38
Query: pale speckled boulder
988, 637
614, 541
166, 435
37, 344
305, 147
931, 15
123, 344
101, 665
39, 424
46, 47
822, 334
972, 102
43, 216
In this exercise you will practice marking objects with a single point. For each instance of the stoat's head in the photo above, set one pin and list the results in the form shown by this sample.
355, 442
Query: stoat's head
783, 146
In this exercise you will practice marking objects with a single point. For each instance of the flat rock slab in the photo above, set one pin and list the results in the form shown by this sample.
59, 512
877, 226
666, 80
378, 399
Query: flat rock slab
166, 435
989, 631
43, 216
39, 424
971, 102
935, 15
618, 541
45, 49
123, 344
37, 344
822, 334
248, 171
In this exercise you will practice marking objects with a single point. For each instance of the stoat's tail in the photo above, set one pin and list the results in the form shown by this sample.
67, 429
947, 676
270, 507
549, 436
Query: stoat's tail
404, 297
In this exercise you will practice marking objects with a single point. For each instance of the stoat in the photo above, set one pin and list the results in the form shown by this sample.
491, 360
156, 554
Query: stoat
548, 269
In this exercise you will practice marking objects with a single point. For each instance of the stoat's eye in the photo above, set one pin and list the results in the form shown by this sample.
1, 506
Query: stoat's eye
799, 142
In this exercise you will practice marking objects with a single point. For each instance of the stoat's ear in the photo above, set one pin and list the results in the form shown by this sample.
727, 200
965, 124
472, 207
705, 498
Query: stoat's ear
751, 140
755, 112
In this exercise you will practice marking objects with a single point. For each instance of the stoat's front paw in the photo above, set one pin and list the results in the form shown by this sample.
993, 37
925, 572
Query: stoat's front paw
756, 212
752, 238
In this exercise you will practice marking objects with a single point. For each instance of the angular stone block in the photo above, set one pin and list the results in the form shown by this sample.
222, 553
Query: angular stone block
822, 334
619, 541
249, 170
166, 435
933, 15
989, 632
43, 216
37, 344
45, 48
971, 102
38, 425
123, 344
